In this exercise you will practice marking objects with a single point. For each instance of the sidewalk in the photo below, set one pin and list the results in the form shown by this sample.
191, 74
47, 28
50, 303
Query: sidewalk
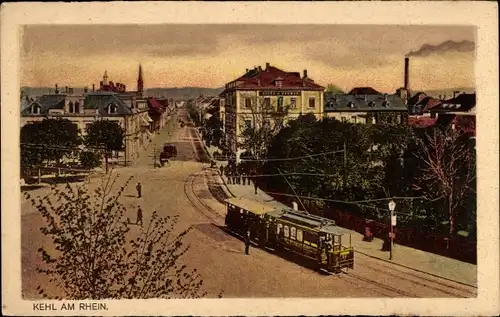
416, 259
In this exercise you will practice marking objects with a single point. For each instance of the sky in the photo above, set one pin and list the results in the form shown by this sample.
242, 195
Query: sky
213, 55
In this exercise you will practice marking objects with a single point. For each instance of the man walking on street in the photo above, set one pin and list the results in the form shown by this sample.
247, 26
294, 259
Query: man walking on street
247, 242
221, 170
139, 216
255, 187
139, 189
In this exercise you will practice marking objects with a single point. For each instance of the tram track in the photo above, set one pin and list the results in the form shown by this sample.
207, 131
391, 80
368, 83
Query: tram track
197, 202
440, 285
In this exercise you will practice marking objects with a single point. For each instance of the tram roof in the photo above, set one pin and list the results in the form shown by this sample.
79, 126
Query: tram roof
255, 207
313, 221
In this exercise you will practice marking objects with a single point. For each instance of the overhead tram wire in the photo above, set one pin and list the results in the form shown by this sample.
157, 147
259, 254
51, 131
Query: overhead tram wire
357, 203
290, 158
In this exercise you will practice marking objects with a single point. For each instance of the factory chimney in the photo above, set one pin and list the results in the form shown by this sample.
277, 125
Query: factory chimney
407, 69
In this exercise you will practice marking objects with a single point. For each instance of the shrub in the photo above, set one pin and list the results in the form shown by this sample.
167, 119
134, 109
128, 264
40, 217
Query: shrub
90, 159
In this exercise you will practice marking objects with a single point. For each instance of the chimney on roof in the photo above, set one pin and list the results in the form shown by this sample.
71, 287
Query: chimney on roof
57, 90
93, 87
101, 84
66, 88
407, 70
260, 69
305, 73
70, 90
455, 93
246, 71
267, 66
85, 90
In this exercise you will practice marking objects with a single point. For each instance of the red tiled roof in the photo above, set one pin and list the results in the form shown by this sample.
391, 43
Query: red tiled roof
464, 123
429, 103
155, 106
163, 102
266, 79
421, 122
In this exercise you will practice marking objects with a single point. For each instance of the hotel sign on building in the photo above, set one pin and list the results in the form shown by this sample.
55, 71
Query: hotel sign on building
279, 93
268, 86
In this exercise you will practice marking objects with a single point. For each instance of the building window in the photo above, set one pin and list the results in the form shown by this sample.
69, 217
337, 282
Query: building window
248, 124
343, 119
399, 119
35, 109
77, 107
267, 102
312, 102
280, 103
293, 103
278, 228
112, 108
353, 119
87, 126
71, 108
293, 233
248, 103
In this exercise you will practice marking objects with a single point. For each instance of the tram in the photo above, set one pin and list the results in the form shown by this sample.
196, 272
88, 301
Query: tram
311, 237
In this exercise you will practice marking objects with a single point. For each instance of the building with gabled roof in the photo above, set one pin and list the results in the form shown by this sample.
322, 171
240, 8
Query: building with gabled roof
83, 109
365, 108
267, 88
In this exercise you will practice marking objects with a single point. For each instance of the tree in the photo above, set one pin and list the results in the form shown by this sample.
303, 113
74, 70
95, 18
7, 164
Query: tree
89, 159
449, 169
98, 255
260, 120
331, 88
213, 127
105, 135
48, 140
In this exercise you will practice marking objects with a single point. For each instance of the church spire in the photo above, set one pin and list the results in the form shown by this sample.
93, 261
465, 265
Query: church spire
140, 82
105, 77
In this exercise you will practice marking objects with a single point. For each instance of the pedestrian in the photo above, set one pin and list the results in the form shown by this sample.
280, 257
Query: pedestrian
228, 174
247, 242
139, 216
221, 170
139, 190
255, 187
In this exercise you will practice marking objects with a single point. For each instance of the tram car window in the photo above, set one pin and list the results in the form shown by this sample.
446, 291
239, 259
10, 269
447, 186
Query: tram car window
299, 235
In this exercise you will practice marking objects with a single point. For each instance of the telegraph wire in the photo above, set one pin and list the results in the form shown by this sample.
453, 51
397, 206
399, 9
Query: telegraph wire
290, 158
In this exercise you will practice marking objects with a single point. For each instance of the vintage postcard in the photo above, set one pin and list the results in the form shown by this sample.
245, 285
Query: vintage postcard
250, 158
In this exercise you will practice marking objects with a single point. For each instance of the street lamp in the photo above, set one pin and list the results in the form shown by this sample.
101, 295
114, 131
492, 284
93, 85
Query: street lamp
392, 207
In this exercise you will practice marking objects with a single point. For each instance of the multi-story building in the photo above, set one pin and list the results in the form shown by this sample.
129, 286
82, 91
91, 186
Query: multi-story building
260, 92
371, 107
110, 102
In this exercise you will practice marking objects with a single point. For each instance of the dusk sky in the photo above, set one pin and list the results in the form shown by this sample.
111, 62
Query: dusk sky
212, 55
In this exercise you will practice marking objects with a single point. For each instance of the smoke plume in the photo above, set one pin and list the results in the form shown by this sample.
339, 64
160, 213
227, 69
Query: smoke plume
448, 46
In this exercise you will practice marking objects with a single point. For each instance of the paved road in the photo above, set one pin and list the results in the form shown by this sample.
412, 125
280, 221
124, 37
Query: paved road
182, 188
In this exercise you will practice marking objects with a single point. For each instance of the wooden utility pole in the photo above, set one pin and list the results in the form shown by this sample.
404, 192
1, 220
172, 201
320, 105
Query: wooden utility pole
294, 192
